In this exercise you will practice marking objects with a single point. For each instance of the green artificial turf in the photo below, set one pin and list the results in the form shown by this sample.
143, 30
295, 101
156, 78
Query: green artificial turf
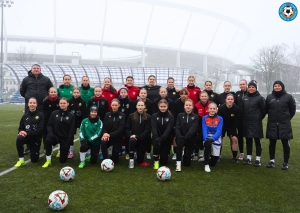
228, 188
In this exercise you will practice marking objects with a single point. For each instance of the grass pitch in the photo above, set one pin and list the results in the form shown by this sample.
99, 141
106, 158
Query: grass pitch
228, 188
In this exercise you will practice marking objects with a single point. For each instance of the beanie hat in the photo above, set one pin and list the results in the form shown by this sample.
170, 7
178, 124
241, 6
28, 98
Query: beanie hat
124, 89
281, 84
94, 108
253, 83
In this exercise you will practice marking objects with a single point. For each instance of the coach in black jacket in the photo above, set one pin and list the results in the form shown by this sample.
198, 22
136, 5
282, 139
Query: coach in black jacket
281, 108
35, 85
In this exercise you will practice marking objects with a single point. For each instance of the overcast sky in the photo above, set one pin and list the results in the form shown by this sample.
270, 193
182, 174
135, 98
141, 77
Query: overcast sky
127, 21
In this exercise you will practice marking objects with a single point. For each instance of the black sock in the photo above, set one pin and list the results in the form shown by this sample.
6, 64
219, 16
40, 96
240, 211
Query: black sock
234, 154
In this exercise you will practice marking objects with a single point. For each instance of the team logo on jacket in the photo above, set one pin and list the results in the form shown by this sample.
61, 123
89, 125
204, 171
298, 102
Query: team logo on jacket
79, 104
36, 117
120, 117
127, 106
195, 92
123, 110
102, 102
212, 95
73, 111
167, 119
232, 115
157, 118
133, 93
67, 118
174, 93
192, 118
27, 126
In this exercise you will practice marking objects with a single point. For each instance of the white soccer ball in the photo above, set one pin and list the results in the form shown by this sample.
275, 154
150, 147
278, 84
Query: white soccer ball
288, 11
107, 165
163, 173
58, 200
67, 173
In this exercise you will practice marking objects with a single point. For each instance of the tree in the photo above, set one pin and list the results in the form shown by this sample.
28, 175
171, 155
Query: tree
270, 61
293, 69
23, 56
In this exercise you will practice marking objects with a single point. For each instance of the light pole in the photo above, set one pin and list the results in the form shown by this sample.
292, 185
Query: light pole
2, 5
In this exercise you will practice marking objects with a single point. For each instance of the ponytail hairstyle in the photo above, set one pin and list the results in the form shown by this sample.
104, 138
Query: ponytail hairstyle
136, 113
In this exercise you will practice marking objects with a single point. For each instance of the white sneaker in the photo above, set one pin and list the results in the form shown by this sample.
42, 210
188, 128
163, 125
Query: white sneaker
206, 168
241, 156
148, 156
178, 168
174, 157
131, 164
201, 153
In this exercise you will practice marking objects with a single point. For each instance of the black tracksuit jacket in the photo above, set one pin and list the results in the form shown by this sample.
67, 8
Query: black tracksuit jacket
102, 106
32, 123
141, 128
78, 108
162, 125
186, 126
114, 124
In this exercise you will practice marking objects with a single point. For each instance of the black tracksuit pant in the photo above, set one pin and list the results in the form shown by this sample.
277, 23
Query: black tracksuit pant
249, 142
286, 149
34, 145
52, 140
139, 147
188, 149
85, 145
240, 136
162, 149
117, 148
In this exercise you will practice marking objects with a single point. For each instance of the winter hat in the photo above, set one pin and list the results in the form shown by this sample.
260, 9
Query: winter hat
94, 108
253, 83
280, 83
124, 89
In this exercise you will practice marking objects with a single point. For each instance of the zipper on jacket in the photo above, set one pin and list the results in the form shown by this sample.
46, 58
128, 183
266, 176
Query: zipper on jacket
162, 120
140, 118
187, 118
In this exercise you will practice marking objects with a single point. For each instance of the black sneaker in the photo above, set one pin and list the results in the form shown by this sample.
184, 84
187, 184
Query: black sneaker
271, 164
234, 160
247, 162
285, 166
26, 151
257, 163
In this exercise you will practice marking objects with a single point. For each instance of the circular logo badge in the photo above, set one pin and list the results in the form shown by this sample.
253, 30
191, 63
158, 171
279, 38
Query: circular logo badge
288, 11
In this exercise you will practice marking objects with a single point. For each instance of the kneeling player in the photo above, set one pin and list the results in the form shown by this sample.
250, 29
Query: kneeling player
30, 132
89, 135
60, 131
212, 129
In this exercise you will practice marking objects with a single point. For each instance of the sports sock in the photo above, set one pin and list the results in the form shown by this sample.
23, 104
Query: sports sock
155, 157
272, 160
58, 147
258, 158
249, 157
71, 149
48, 157
82, 156
234, 154
21, 159
178, 163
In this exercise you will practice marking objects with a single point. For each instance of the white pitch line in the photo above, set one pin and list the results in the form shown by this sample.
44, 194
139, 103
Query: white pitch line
26, 162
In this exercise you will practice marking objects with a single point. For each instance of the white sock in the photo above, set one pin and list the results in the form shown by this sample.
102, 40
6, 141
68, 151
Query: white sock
58, 147
82, 156
88, 152
249, 157
131, 160
48, 157
155, 161
71, 149
21, 159
258, 158
178, 163
273, 160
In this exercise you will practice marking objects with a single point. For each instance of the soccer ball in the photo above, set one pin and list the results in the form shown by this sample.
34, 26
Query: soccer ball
107, 165
58, 200
163, 173
67, 173
288, 11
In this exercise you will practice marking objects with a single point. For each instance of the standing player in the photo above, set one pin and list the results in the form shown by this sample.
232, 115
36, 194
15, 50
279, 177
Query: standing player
113, 127
60, 130
173, 93
213, 97
178, 108
50, 104
89, 136
194, 91
138, 128
239, 100
30, 132
230, 114
254, 111
99, 101
65, 90
227, 89
108, 91
186, 131
86, 91
77, 107
281, 108
163, 95
152, 89
212, 131
162, 124
133, 91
